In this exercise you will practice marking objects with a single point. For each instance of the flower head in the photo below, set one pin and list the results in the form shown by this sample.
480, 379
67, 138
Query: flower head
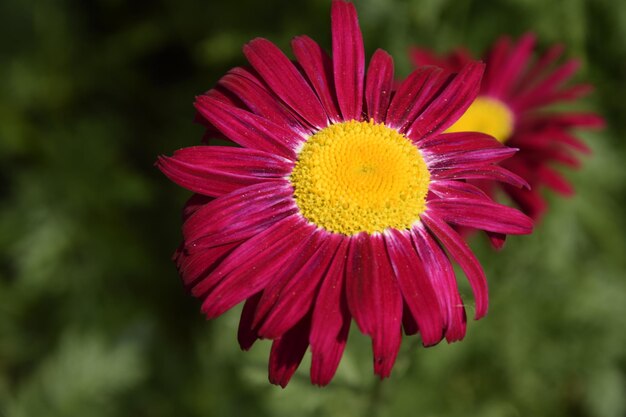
338, 201
512, 106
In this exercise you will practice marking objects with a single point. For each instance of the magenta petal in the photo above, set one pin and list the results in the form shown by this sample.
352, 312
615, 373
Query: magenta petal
192, 267
374, 298
530, 202
348, 59
457, 142
331, 320
464, 256
285, 81
415, 286
413, 96
509, 70
456, 189
249, 268
195, 203
238, 215
450, 105
246, 334
275, 287
287, 353
466, 159
537, 70
441, 274
219, 170
490, 172
247, 129
296, 297
379, 85
481, 214
318, 67
555, 181
262, 102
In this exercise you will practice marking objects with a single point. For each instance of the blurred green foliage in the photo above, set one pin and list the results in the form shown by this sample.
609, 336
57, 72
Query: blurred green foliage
93, 320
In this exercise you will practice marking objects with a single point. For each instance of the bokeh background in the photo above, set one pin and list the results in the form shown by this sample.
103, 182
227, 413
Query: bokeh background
93, 319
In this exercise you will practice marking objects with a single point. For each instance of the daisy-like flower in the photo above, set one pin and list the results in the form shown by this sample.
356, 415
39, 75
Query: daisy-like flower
338, 202
514, 107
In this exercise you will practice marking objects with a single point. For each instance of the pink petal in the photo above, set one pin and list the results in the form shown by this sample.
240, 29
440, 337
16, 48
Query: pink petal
450, 104
415, 286
458, 142
481, 214
318, 68
277, 284
441, 274
239, 215
195, 266
530, 201
456, 189
246, 334
285, 81
249, 268
537, 70
490, 172
555, 181
287, 353
296, 296
219, 170
348, 59
247, 129
261, 101
413, 96
195, 202
464, 256
331, 320
379, 85
374, 298
510, 69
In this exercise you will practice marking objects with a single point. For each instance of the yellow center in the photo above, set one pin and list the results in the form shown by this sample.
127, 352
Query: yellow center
486, 115
356, 177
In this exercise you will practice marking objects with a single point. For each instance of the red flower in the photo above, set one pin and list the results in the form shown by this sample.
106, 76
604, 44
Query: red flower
338, 202
511, 106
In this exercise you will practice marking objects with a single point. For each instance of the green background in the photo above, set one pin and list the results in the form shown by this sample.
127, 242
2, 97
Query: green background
93, 319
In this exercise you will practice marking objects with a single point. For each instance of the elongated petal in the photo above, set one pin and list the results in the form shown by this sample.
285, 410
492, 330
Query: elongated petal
490, 172
413, 96
348, 59
238, 215
374, 298
251, 266
331, 320
282, 279
195, 266
296, 297
246, 334
261, 101
247, 129
441, 274
416, 288
287, 353
379, 85
285, 80
219, 170
450, 105
318, 67
466, 259
481, 214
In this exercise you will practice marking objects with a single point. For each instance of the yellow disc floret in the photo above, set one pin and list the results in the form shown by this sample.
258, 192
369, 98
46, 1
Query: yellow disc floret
486, 115
356, 177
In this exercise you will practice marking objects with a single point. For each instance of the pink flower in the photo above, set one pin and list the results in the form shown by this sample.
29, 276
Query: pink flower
337, 202
512, 106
